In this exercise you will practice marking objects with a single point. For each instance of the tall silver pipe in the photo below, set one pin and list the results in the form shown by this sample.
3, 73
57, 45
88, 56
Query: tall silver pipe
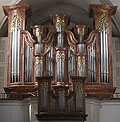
104, 52
30, 66
107, 70
84, 67
81, 39
58, 70
49, 64
52, 59
90, 65
69, 62
101, 43
12, 65
27, 70
73, 64
60, 64
62, 70
18, 64
15, 56
94, 63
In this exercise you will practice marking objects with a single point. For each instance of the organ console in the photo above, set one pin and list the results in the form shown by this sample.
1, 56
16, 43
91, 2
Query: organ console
62, 65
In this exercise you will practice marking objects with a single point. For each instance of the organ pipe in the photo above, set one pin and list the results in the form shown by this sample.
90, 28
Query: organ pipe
104, 54
15, 71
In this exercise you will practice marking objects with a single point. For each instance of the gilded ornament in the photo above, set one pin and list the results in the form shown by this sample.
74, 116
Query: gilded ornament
39, 61
70, 100
81, 63
18, 19
77, 85
60, 55
103, 20
52, 99
44, 85
72, 47
48, 46
39, 33
81, 32
60, 22
61, 93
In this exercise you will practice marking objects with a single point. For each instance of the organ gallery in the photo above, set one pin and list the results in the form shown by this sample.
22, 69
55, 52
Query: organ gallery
61, 66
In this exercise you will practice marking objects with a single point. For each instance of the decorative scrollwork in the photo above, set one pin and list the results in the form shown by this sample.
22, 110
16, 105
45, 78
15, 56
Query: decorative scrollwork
70, 100
30, 46
16, 17
77, 84
103, 20
91, 45
48, 46
60, 55
60, 22
53, 100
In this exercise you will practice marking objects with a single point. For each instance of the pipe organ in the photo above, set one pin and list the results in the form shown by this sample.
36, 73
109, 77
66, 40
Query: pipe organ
61, 64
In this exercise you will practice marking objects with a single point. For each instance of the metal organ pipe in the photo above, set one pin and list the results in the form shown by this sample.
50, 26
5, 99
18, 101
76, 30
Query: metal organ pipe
104, 55
18, 63
104, 66
94, 63
15, 56
12, 65
15, 60
107, 70
60, 62
102, 50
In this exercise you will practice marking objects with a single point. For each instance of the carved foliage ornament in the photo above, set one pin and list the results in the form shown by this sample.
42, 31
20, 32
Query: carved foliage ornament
60, 22
81, 62
103, 19
72, 47
44, 85
60, 55
39, 61
61, 93
81, 32
77, 85
18, 19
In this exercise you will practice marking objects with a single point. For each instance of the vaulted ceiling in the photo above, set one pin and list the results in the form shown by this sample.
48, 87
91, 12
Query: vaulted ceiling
77, 9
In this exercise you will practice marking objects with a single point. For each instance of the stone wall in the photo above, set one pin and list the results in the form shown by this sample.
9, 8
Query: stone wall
3, 62
116, 62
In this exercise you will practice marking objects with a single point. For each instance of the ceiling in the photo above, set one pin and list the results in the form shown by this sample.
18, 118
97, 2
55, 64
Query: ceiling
77, 9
